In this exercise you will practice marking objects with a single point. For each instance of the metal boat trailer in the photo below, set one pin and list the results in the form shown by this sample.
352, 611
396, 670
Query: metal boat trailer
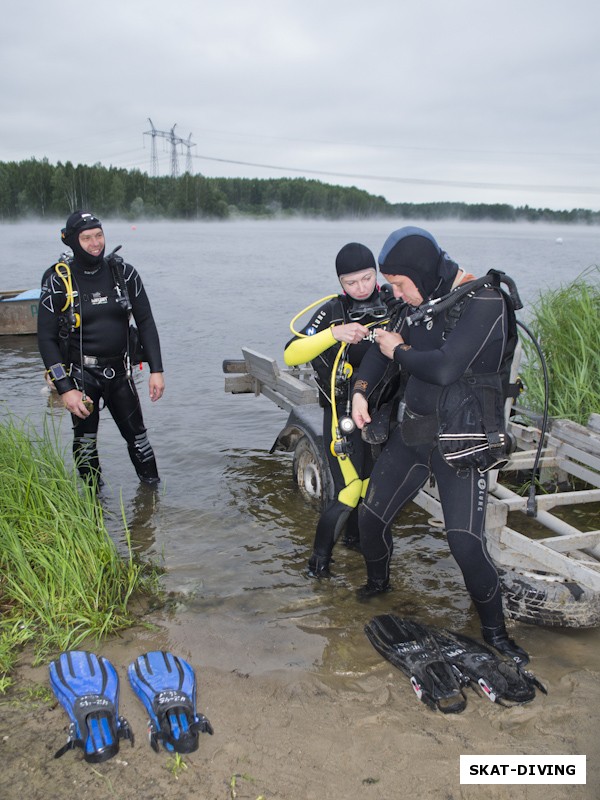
550, 576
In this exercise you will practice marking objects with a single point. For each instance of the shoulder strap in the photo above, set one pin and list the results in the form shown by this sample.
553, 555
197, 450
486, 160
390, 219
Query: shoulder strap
117, 267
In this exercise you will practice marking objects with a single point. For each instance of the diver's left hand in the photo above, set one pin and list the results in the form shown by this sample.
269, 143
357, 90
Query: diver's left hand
156, 385
387, 341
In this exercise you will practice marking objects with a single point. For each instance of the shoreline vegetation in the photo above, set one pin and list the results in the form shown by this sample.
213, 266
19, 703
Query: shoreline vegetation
36, 189
61, 576
565, 321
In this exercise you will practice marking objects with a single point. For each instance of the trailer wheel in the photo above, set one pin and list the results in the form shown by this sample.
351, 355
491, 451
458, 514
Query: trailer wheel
538, 599
308, 469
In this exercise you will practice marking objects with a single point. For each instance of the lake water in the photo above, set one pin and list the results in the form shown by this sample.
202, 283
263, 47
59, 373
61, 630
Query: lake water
228, 525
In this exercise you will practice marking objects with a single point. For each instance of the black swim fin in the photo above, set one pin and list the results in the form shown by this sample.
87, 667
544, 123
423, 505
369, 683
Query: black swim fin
166, 685
87, 687
410, 647
500, 680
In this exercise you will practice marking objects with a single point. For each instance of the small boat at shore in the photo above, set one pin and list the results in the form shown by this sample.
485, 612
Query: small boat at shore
18, 312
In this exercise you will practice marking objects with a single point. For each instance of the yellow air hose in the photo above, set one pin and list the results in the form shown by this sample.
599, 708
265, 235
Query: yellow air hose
355, 487
304, 310
67, 279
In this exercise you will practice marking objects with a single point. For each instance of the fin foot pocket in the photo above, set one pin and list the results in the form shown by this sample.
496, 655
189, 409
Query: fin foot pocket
498, 639
166, 685
500, 680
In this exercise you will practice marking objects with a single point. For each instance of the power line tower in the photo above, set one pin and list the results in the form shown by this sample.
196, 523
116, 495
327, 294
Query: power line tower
175, 142
153, 157
188, 159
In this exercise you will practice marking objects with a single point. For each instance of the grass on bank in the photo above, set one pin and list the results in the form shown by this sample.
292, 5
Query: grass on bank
566, 322
61, 578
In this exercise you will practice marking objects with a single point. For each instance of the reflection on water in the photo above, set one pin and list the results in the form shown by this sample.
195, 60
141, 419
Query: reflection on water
140, 515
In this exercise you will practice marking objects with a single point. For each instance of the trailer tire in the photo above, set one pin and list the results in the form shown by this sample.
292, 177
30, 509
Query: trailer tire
538, 599
308, 470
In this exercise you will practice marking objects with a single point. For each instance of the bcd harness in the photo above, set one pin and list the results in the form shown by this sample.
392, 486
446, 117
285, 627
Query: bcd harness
71, 321
469, 425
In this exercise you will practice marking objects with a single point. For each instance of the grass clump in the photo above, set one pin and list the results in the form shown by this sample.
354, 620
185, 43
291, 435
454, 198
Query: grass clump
566, 322
61, 577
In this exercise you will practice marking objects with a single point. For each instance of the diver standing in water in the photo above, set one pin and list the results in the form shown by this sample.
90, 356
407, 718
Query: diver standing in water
84, 340
436, 352
334, 342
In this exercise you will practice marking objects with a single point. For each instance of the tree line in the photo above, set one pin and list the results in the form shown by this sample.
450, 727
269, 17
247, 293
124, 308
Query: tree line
37, 189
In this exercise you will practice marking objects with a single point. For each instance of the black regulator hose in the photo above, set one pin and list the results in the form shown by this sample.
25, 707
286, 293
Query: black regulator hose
531, 499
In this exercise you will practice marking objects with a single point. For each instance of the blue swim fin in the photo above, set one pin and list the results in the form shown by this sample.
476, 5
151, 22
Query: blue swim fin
87, 687
166, 685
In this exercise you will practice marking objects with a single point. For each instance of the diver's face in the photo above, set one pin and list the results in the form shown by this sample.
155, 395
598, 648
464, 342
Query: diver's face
404, 289
92, 241
359, 285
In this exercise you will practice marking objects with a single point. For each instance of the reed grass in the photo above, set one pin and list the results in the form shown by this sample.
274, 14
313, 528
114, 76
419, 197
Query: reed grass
566, 322
61, 577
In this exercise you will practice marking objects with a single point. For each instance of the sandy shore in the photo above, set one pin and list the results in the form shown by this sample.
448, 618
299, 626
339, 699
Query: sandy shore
295, 735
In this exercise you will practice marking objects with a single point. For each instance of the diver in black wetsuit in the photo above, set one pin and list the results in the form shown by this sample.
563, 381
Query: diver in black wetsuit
433, 357
339, 328
83, 338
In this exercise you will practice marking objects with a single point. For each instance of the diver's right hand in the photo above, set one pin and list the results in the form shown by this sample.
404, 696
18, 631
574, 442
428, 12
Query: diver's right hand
73, 402
351, 333
360, 410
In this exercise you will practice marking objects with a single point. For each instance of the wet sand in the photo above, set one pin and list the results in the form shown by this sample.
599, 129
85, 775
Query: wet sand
350, 728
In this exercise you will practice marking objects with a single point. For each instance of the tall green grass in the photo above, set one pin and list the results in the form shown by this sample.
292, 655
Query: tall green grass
61, 578
566, 322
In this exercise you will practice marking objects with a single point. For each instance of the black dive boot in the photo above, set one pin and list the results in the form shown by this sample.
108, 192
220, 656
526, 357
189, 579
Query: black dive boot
351, 537
498, 639
147, 470
142, 458
85, 456
378, 580
318, 566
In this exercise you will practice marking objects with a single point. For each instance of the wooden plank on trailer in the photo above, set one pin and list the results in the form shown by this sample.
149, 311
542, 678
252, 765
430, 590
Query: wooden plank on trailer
525, 459
531, 550
567, 431
235, 365
262, 367
295, 390
510, 559
277, 398
547, 501
579, 472
239, 384
267, 373
566, 450
573, 541
594, 423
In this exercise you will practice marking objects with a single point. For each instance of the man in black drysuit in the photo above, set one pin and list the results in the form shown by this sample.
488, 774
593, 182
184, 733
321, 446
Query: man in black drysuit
433, 357
83, 338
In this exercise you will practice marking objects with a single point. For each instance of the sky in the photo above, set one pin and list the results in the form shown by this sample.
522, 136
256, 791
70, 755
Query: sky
414, 100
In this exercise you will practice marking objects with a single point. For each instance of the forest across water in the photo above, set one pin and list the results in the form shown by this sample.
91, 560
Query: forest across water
37, 189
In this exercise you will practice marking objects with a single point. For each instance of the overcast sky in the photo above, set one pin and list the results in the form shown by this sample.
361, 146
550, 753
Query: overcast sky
420, 100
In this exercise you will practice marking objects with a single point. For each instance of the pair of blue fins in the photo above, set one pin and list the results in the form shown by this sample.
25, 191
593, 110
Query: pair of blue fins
441, 663
87, 686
